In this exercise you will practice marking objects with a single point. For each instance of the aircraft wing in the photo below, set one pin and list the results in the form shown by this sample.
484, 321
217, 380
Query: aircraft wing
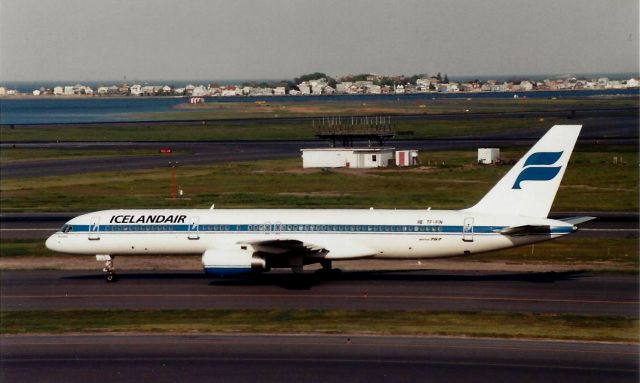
280, 246
333, 250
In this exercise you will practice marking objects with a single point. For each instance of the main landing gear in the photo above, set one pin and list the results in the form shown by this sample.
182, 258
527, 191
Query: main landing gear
326, 270
108, 267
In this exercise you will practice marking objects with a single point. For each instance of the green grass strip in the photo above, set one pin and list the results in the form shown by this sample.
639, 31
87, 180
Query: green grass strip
477, 324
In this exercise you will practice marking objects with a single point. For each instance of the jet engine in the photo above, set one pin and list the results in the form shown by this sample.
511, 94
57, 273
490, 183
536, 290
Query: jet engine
223, 262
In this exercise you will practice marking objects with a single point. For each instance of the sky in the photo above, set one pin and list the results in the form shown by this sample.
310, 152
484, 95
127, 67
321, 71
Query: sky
89, 40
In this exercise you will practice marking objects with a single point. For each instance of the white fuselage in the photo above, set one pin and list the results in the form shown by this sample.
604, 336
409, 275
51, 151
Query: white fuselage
344, 233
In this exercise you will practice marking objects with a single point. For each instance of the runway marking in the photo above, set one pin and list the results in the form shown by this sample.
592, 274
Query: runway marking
329, 296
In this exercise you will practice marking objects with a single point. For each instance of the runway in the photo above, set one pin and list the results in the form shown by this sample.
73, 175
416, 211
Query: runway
543, 292
326, 359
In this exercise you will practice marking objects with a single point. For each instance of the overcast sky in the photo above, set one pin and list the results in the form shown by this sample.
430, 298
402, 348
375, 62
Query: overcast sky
88, 40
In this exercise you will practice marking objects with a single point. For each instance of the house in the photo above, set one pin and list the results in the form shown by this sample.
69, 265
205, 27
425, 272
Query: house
3, 91
526, 86
68, 90
317, 89
148, 90
136, 90
632, 83
399, 89
59, 91
199, 91
279, 91
343, 87
229, 91
328, 90
374, 89
304, 88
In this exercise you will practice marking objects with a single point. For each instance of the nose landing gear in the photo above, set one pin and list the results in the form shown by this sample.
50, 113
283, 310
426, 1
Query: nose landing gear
108, 267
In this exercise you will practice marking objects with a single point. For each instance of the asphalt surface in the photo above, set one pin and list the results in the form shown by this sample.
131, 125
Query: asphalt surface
42, 225
543, 292
326, 359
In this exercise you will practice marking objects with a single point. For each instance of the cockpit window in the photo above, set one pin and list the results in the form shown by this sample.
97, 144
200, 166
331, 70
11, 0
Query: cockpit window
66, 228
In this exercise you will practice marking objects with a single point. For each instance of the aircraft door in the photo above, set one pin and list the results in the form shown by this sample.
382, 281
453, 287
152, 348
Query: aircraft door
277, 227
194, 227
467, 230
94, 228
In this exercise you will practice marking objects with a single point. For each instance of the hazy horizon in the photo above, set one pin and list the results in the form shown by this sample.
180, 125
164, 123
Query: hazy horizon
147, 40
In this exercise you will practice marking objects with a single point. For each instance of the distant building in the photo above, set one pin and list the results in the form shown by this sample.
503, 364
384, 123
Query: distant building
304, 88
279, 91
407, 157
199, 91
59, 91
488, 156
632, 83
136, 90
347, 157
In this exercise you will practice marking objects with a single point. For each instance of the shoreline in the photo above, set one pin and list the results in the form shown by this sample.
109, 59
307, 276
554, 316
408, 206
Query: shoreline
25, 96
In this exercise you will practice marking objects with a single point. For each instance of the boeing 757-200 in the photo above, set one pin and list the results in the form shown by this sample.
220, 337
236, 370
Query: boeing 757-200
235, 241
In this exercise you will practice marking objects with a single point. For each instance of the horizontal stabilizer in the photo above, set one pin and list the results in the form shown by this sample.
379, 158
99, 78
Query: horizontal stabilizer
525, 230
577, 220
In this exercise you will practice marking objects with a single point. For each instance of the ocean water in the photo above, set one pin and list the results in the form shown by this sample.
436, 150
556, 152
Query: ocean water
33, 110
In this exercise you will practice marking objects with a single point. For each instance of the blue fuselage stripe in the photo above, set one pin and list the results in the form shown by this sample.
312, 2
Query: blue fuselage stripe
298, 228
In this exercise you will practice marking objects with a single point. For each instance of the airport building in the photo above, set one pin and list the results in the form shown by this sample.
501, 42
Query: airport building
407, 158
488, 156
347, 157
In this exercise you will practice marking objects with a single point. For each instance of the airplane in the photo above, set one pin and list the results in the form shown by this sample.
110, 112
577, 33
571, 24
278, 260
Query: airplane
238, 241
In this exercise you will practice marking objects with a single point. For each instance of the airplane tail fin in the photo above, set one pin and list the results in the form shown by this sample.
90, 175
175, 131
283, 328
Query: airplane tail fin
529, 188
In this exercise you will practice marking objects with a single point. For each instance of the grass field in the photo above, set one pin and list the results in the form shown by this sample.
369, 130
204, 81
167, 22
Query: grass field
349, 106
447, 180
478, 324
255, 131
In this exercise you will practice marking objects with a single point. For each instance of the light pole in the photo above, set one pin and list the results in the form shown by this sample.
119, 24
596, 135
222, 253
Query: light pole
174, 185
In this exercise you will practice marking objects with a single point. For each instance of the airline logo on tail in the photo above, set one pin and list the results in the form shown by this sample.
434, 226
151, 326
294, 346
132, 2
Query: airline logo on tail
536, 168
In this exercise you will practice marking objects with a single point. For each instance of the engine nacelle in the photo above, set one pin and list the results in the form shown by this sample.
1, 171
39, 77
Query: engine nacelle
231, 262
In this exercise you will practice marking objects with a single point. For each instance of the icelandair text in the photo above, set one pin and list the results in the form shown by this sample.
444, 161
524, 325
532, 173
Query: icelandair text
148, 219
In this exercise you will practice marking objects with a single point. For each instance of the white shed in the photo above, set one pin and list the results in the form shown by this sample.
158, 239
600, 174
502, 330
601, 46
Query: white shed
488, 156
347, 157
407, 157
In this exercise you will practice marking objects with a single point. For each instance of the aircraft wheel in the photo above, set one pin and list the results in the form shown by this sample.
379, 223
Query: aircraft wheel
111, 277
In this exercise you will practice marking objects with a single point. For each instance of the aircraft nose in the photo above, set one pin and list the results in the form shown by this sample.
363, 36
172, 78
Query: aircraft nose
53, 243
